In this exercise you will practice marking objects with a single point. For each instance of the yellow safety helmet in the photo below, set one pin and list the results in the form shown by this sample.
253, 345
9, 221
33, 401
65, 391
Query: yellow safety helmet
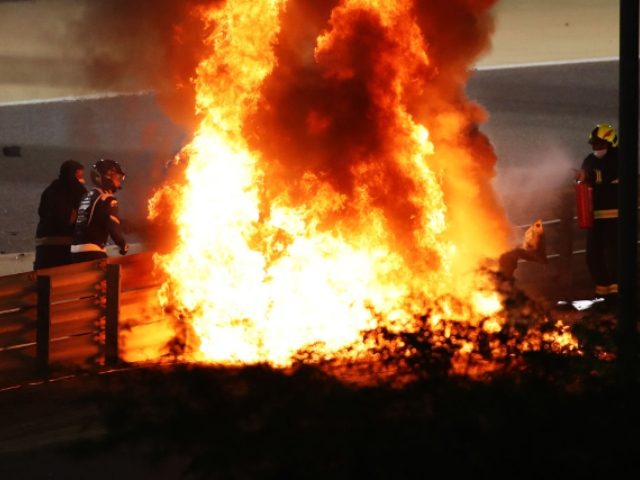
605, 132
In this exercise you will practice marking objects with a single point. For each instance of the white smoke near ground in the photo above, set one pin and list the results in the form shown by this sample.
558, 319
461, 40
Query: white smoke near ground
530, 190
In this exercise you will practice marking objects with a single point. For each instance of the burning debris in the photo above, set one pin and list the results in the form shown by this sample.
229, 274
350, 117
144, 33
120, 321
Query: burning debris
337, 184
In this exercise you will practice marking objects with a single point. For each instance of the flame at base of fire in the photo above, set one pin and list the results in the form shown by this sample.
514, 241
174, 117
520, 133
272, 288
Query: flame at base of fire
268, 264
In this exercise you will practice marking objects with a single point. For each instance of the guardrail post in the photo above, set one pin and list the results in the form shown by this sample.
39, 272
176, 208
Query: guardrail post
111, 350
565, 244
43, 324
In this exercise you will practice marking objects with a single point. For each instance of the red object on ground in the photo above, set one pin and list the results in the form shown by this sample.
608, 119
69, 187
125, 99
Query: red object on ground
584, 204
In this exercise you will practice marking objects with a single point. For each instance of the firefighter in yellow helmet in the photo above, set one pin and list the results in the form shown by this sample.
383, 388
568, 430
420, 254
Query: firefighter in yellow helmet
600, 170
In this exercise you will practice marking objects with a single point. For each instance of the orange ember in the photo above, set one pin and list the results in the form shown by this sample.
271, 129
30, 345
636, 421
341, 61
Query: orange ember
336, 180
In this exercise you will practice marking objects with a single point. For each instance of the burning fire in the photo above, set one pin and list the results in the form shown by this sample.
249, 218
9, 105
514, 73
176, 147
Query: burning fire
335, 181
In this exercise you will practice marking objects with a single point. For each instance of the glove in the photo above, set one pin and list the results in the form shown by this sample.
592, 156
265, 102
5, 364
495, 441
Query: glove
124, 249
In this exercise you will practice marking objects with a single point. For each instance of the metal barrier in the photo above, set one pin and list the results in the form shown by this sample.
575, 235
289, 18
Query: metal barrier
86, 315
565, 275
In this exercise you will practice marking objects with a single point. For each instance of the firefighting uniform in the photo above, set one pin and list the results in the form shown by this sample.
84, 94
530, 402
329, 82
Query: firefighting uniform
57, 211
97, 220
602, 238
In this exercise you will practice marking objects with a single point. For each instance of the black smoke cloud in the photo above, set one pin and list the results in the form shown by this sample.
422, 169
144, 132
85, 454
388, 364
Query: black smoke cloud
322, 113
144, 45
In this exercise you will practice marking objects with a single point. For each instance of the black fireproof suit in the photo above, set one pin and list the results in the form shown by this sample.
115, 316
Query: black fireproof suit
97, 220
602, 243
58, 210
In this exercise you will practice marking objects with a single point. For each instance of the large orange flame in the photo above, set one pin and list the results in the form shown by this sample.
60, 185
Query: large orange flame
289, 239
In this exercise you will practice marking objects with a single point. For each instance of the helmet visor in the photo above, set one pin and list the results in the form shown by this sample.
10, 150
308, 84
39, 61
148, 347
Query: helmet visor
115, 178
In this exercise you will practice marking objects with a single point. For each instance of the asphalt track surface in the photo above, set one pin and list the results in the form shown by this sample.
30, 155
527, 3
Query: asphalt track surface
538, 121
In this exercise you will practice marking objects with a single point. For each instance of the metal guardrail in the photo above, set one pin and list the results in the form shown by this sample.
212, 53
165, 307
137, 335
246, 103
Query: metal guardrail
88, 315
565, 274
558, 221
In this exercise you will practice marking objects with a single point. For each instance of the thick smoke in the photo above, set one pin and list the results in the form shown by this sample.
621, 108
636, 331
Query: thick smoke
322, 110
457, 32
138, 45
142, 45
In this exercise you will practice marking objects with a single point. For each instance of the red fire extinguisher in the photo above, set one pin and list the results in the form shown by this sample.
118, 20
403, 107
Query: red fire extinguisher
584, 204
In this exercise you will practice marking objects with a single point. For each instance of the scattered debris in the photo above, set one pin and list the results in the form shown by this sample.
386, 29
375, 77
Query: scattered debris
580, 304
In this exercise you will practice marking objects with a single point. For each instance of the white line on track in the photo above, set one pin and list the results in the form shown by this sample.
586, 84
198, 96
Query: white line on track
99, 96
79, 98
552, 63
